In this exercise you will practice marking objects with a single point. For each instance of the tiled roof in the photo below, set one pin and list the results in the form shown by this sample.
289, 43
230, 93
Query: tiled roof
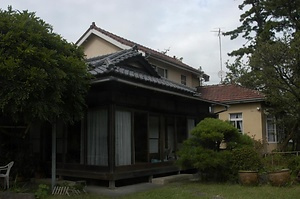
147, 50
111, 64
229, 94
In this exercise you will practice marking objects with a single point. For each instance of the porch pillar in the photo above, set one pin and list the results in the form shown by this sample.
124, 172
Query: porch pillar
111, 145
112, 184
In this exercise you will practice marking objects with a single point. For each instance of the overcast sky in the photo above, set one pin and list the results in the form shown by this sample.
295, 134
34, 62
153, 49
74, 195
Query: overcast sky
186, 27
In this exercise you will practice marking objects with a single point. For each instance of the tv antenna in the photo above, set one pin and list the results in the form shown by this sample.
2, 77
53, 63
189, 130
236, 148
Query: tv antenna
221, 73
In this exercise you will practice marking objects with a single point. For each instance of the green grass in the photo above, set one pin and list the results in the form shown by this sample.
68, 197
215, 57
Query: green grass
208, 191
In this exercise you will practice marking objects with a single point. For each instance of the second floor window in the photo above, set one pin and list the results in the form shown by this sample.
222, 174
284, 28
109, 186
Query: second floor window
162, 72
183, 79
236, 119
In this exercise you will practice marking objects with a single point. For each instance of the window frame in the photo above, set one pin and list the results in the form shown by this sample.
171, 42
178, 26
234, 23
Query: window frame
234, 121
183, 79
272, 119
163, 70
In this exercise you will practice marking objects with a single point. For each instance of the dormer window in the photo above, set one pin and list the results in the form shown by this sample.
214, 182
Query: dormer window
162, 72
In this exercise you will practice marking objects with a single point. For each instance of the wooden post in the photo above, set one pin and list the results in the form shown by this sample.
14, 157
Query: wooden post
112, 184
150, 179
53, 176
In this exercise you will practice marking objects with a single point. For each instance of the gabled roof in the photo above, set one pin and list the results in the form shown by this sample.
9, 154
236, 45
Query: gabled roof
114, 65
230, 94
126, 44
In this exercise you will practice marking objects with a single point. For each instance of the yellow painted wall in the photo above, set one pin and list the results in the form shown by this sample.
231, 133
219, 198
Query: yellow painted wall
252, 118
174, 74
95, 46
195, 81
254, 121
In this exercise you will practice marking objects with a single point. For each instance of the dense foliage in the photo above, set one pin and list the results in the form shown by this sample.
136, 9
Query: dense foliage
246, 158
210, 132
42, 76
270, 59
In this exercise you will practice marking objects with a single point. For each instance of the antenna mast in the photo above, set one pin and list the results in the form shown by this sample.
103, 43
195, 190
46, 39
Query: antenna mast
221, 72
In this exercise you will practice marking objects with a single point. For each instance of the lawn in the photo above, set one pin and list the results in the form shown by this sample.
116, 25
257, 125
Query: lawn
212, 191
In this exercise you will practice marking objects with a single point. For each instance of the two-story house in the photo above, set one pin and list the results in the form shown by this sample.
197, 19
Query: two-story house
96, 41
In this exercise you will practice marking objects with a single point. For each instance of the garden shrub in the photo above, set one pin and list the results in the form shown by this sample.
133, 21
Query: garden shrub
294, 165
210, 132
42, 191
246, 158
245, 140
276, 161
202, 150
212, 165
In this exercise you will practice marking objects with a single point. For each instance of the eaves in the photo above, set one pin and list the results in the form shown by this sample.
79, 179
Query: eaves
245, 101
117, 79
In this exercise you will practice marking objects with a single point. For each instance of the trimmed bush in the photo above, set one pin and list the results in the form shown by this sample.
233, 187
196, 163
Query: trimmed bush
202, 151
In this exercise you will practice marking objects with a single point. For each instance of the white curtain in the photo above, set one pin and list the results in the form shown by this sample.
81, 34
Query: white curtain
123, 138
97, 152
190, 126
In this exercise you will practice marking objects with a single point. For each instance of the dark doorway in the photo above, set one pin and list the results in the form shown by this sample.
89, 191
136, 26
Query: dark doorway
141, 137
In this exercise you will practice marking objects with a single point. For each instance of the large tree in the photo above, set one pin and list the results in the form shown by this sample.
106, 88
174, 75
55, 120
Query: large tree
270, 59
278, 69
42, 76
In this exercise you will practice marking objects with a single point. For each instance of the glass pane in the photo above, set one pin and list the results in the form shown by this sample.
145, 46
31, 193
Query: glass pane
154, 136
153, 127
161, 71
271, 137
233, 123
153, 145
239, 125
236, 116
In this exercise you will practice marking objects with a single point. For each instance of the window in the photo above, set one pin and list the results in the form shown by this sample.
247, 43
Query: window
190, 126
181, 128
162, 72
183, 79
153, 134
236, 119
274, 134
169, 151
